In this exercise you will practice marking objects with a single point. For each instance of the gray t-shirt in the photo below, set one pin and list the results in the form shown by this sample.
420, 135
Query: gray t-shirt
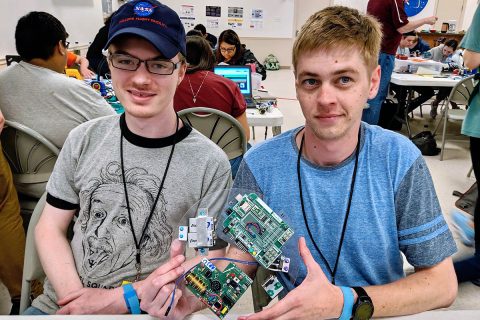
88, 175
48, 102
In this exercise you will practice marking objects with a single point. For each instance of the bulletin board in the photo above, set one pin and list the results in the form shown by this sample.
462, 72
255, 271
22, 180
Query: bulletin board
249, 18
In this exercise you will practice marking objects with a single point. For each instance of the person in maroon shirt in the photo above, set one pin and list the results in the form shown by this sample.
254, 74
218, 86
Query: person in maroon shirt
394, 22
202, 88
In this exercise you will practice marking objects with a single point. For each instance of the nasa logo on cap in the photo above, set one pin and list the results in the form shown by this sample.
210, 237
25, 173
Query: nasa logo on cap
143, 9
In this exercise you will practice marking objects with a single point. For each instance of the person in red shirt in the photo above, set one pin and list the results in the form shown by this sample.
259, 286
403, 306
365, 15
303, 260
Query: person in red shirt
394, 22
202, 88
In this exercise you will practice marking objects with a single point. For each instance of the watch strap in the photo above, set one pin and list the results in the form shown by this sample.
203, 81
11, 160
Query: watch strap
361, 292
363, 297
347, 303
131, 299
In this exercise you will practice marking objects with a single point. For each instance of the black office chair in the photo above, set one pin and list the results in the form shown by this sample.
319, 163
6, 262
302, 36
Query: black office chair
12, 58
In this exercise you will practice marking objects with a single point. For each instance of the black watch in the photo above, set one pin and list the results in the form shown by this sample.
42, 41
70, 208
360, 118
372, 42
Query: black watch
363, 308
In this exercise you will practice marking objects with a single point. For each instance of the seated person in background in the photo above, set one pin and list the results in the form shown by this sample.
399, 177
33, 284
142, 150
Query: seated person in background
445, 53
408, 39
424, 93
82, 62
231, 51
344, 174
194, 32
124, 177
212, 40
98, 62
36, 92
419, 45
202, 88
12, 235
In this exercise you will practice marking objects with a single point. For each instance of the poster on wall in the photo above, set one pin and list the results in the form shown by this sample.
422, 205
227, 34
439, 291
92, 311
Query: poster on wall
213, 24
235, 23
235, 12
256, 21
213, 11
187, 16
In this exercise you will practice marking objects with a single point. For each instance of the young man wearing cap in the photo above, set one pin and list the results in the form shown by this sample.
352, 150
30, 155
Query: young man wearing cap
130, 179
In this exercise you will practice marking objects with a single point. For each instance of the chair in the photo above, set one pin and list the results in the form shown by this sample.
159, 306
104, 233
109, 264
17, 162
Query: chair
218, 126
30, 156
32, 268
12, 58
460, 94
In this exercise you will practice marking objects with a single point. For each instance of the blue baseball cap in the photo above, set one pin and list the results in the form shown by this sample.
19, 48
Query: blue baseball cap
153, 21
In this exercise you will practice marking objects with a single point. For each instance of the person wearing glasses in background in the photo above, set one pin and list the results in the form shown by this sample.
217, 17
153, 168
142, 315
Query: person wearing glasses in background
36, 92
130, 179
231, 51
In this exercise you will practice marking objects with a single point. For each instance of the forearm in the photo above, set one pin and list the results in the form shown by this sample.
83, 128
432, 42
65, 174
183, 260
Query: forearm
424, 290
55, 254
414, 24
471, 59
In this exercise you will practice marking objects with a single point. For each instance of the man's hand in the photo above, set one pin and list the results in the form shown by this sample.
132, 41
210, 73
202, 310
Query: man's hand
314, 298
431, 20
86, 73
155, 292
91, 301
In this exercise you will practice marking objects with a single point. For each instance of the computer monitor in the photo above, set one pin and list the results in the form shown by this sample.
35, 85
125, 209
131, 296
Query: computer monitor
241, 75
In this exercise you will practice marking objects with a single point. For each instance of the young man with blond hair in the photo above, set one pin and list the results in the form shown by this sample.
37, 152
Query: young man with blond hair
356, 195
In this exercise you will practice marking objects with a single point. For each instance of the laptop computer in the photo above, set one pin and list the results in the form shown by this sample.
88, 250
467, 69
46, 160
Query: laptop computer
241, 75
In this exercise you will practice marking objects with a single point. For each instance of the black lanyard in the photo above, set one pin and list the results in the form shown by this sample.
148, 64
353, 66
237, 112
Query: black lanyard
138, 264
352, 186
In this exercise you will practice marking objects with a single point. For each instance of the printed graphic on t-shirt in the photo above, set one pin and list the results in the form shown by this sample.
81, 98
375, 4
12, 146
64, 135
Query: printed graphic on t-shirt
108, 243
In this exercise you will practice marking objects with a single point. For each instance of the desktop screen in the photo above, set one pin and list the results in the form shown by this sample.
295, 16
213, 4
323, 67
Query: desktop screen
238, 74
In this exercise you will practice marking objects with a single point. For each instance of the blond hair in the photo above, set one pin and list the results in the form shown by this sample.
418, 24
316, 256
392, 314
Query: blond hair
340, 27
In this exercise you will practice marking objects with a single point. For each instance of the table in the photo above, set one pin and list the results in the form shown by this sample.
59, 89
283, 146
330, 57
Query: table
273, 119
414, 80
437, 315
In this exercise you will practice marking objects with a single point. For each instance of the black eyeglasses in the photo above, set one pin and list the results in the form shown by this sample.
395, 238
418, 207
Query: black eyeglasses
155, 66
66, 44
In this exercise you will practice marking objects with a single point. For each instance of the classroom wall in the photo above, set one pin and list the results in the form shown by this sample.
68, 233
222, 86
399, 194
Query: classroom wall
81, 18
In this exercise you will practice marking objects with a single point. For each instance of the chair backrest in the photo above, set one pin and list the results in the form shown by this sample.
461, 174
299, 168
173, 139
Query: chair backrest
31, 158
218, 126
32, 268
462, 91
12, 58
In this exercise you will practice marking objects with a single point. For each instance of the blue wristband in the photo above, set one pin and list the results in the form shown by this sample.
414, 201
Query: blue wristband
347, 303
131, 299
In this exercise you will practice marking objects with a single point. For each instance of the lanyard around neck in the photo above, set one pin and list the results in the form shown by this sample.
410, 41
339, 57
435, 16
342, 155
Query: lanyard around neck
138, 243
347, 213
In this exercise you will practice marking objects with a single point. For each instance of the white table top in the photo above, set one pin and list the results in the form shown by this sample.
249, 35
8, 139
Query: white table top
274, 118
407, 79
429, 315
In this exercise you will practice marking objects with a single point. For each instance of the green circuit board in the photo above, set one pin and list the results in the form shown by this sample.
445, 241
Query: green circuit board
256, 229
218, 290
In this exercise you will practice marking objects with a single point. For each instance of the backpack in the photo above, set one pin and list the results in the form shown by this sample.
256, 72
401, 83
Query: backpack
271, 62
425, 141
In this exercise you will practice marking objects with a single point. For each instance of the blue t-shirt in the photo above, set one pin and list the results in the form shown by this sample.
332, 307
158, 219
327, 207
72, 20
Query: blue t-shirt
394, 207
471, 41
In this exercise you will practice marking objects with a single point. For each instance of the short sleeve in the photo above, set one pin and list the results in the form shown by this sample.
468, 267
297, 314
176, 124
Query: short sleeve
71, 58
423, 234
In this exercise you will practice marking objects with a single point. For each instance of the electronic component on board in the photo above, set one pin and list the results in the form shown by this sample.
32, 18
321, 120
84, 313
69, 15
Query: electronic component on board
272, 286
256, 229
218, 290
200, 232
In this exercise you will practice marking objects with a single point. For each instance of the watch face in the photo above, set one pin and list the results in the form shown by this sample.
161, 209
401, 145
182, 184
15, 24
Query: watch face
363, 311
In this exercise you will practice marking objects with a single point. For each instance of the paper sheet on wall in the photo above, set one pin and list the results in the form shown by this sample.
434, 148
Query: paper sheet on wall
256, 24
257, 14
235, 12
187, 16
212, 23
213, 11
235, 23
